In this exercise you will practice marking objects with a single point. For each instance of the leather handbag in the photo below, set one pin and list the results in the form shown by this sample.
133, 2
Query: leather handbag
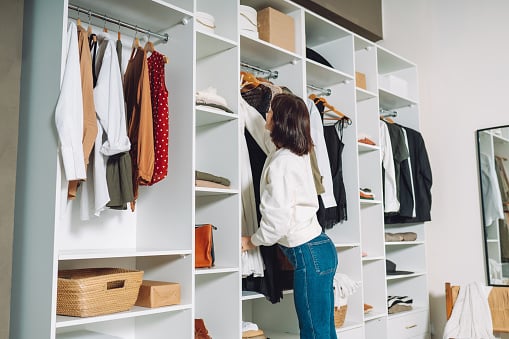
200, 331
204, 246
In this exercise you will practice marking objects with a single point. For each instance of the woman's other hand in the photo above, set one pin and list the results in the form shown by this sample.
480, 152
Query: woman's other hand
246, 244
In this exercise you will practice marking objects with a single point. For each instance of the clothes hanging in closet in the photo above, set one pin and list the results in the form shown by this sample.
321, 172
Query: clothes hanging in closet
90, 129
139, 119
333, 134
103, 181
492, 206
160, 115
274, 279
401, 157
421, 177
69, 111
322, 156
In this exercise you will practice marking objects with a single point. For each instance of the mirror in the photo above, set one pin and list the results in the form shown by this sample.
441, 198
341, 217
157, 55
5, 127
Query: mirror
493, 157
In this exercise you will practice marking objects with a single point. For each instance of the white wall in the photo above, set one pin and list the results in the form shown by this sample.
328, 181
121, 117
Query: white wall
461, 49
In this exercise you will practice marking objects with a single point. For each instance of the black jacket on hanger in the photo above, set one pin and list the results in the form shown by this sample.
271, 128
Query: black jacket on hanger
422, 178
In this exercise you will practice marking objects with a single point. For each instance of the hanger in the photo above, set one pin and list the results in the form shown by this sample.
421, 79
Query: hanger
119, 36
248, 81
386, 115
149, 47
105, 29
136, 41
89, 29
330, 108
387, 120
78, 21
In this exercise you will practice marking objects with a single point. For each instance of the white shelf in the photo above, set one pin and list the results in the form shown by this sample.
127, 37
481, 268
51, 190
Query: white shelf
264, 55
118, 253
208, 44
363, 94
136, 311
206, 191
322, 76
208, 115
157, 15
215, 270
405, 276
390, 100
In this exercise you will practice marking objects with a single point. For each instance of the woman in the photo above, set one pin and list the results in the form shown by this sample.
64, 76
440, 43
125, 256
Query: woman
288, 205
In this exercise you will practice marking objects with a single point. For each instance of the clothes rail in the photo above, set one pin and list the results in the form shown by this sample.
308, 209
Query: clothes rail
270, 74
386, 113
320, 90
163, 37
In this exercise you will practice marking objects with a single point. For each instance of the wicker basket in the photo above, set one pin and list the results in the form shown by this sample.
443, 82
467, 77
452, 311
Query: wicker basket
340, 315
94, 291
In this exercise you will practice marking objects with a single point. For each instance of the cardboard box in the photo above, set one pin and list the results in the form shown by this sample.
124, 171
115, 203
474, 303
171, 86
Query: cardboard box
277, 28
158, 293
360, 80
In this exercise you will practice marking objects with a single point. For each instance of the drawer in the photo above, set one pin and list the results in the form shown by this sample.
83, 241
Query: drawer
408, 325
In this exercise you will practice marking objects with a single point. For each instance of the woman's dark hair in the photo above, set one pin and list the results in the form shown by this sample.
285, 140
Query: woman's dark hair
290, 123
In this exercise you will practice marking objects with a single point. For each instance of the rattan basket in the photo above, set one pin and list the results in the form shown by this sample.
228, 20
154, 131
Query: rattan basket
94, 291
340, 315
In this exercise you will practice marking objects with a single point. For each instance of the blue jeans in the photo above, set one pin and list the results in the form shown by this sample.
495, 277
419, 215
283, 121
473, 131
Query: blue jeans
315, 264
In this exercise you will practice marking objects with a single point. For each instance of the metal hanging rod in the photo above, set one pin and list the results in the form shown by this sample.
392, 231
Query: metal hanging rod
320, 90
163, 37
386, 113
270, 74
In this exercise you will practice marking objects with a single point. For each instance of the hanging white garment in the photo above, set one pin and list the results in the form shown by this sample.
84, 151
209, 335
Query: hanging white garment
322, 157
252, 262
69, 111
112, 131
109, 97
391, 192
492, 205
471, 315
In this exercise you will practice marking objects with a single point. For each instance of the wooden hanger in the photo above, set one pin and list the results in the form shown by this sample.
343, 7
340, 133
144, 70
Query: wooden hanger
330, 108
248, 81
149, 47
387, 120
136, 42
89, 29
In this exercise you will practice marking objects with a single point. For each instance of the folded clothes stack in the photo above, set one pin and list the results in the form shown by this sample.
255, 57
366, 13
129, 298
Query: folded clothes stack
401, 236
209, 97
204, 179
396, 304
365, 193
251, 331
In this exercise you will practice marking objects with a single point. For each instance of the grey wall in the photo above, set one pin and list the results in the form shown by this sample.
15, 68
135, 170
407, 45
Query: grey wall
11, 17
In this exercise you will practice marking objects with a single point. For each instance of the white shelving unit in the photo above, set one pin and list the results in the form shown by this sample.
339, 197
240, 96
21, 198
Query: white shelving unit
158, 237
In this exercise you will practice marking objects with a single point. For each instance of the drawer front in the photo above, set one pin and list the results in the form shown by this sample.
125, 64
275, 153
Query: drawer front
409, 326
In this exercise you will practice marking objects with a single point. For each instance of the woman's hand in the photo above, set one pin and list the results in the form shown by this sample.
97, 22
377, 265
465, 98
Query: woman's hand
246, 243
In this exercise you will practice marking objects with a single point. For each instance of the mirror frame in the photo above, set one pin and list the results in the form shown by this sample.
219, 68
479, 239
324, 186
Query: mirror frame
494, 269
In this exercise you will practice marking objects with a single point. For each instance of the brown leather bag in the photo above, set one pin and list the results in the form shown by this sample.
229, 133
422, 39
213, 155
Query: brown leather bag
204, 246
200, 331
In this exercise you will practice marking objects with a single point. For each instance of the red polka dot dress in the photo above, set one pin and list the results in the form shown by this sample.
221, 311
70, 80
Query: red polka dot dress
160, 115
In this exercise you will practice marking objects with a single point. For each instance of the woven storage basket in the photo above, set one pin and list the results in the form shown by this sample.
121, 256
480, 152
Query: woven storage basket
94, 291
340, 315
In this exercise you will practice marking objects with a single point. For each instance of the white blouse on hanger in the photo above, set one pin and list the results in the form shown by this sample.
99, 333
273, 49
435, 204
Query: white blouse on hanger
391, 190
322, 157
69, 111
112, 132
249, 118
